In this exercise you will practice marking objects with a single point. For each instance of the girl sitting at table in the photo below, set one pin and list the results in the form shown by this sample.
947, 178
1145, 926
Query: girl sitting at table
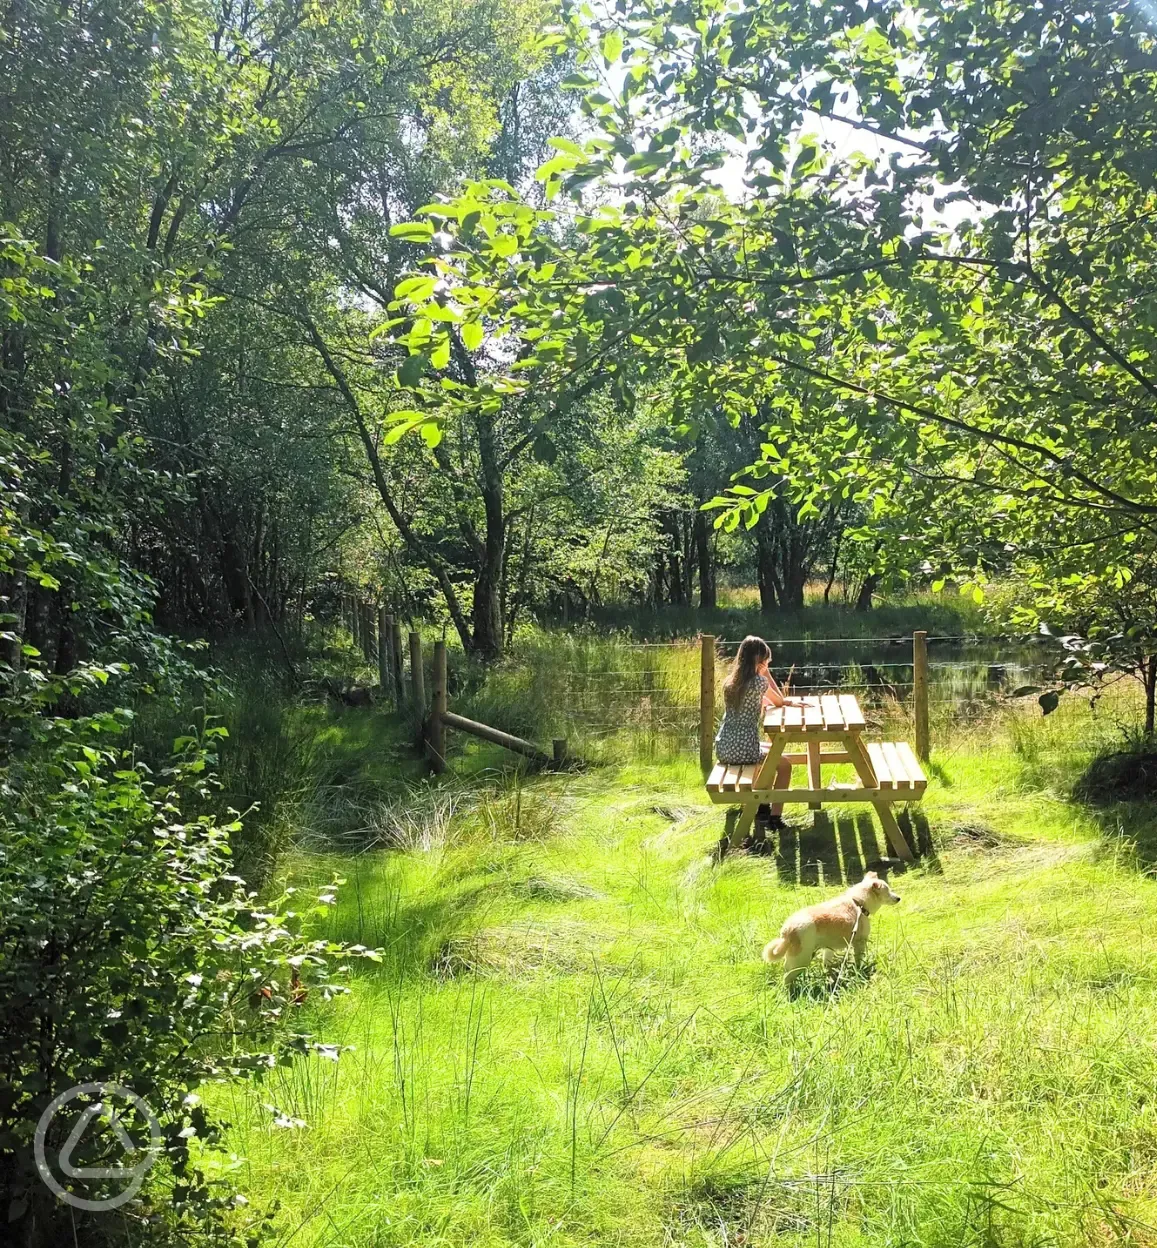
748, 688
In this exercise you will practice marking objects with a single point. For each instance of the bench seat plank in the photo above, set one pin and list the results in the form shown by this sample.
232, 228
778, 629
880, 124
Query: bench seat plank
896, 766
880, 765
912, 763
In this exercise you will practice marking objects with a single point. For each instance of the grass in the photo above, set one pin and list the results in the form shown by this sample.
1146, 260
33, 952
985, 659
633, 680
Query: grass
571, 1039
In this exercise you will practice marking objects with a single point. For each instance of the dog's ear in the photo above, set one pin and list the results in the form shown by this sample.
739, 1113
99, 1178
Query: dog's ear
870, 875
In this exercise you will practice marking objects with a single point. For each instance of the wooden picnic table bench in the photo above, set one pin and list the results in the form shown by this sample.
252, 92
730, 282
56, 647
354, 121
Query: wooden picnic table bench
888, 771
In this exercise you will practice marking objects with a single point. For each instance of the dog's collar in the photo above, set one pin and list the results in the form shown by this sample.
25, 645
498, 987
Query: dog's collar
862, 908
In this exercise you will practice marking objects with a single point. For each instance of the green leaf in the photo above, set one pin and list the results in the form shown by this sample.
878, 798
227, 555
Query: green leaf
412, 231
440, 356
402, 423
416, 289
472, 335
568, 146
411, 371
612, 46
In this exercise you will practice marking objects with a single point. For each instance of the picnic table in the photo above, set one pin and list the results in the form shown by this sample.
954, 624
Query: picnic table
829, 727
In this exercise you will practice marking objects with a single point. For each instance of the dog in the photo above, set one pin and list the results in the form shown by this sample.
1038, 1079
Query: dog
836, 924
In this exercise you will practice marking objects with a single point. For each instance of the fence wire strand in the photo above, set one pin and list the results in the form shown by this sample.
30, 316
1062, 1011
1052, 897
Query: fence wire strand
658, 695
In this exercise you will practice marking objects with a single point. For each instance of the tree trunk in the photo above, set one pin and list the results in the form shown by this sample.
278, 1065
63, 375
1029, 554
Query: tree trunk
17, 605
835, 565
486, 622
675, 579
706, 559
765, 573
867, 589
1150, 693
687, 529
794, 584
405, 530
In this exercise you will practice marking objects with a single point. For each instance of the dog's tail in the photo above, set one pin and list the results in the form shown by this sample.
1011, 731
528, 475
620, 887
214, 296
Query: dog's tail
776, 949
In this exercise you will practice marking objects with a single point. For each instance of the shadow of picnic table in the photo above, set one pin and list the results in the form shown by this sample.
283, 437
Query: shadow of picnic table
833, 848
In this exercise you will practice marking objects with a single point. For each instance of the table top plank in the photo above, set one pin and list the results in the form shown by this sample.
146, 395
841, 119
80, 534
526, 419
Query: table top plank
731, 777
820, 715
850, 706
833, 712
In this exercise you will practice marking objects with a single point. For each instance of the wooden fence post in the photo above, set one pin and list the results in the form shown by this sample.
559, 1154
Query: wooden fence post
558, 748
366, 615
920, 694
396, 660
383, 648
436, 729
417, 677
706, 702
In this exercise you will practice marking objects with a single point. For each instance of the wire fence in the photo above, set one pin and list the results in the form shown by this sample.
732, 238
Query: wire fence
646, 696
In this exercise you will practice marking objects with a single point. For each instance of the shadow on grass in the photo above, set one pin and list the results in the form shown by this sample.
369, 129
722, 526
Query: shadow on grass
834, 849
1119, 789
1130, 828
410, 930
822, 982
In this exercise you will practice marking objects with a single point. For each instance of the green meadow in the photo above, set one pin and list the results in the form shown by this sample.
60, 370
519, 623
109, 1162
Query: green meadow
571, 1038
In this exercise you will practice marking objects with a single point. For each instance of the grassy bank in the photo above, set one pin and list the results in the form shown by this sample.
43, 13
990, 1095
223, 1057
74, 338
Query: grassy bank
571, 1039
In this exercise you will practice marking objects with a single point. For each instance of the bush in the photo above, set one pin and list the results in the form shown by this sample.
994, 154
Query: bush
130, 953
1121, 776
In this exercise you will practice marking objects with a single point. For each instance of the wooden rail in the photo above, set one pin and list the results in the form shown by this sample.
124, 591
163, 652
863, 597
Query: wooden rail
440, 718
495, 736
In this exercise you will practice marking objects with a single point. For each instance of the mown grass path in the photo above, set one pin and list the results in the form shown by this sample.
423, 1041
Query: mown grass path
572, 1039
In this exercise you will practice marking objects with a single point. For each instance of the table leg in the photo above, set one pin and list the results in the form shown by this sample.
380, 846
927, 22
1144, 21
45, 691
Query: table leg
764, 779
765, 776
813, 772
892, 829
742, 825
860, 760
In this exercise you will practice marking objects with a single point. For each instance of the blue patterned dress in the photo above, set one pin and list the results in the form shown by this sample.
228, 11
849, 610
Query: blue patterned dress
740, 734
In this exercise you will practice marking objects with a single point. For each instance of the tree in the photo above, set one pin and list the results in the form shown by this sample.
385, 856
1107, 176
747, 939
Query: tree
973, 300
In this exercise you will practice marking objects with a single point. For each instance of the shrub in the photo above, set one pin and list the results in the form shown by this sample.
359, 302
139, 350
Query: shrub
130, 953
1120, 776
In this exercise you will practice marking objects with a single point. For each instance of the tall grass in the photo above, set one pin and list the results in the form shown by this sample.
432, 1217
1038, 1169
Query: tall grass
571, 1039
614, 699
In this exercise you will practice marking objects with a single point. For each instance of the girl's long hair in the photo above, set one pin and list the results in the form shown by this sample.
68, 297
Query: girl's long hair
752, 652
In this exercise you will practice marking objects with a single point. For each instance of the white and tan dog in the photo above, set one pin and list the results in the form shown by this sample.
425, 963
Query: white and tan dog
836, 924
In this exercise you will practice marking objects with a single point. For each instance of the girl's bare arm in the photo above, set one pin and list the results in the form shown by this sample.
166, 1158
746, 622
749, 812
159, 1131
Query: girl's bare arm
772, 695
